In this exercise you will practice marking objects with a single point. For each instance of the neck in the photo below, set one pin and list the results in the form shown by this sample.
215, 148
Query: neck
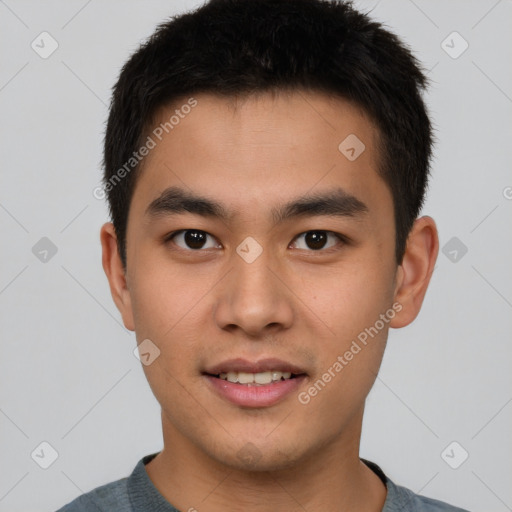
332, 478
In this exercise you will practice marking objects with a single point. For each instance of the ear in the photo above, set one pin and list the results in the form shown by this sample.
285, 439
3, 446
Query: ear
415, 271
116, 275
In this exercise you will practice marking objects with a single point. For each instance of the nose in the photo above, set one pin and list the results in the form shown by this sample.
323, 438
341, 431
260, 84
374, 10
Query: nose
254, 298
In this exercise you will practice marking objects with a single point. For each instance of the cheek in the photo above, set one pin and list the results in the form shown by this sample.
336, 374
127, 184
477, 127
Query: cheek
164, 298
343, 379
168, 308
176, 391
349, 299
351, 304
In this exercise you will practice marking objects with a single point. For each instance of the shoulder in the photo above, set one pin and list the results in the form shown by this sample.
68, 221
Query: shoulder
402, 498
112, 497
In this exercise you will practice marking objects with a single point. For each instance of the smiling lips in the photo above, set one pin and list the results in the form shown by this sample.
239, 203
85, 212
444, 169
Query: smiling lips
256, 379
260, 384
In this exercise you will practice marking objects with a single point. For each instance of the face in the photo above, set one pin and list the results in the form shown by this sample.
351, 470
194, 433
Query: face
277, 273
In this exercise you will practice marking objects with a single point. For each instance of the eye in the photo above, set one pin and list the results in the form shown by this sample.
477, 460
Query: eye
317, 240
194, 239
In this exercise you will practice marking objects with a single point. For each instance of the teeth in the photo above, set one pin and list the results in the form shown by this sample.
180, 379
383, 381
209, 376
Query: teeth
263, 378
255, 378
245, 378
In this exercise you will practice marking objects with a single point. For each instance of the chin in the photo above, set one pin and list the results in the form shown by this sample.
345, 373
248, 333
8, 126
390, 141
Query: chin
253, 457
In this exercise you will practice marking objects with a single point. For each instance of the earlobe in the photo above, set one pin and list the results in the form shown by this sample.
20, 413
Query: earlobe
113, 267
413, 275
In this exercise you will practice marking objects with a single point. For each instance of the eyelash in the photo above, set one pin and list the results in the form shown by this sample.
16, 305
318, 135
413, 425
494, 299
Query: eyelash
343, 240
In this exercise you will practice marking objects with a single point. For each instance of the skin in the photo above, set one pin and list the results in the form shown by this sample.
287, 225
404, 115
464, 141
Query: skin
294, 303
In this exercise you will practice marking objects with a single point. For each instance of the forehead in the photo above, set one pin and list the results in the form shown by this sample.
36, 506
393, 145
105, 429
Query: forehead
282, 118
262, 147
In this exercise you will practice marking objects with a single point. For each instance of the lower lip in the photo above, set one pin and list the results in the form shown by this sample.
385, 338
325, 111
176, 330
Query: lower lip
255, 396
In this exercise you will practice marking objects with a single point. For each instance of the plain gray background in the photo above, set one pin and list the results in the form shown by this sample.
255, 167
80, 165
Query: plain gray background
68, 374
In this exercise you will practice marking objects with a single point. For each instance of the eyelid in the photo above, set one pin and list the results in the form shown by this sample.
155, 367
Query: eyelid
342, 239
169, 238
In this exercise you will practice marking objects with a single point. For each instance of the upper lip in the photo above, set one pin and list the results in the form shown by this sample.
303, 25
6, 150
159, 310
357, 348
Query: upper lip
263, 365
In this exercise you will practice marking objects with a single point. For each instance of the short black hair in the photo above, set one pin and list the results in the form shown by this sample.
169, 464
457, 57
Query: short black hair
241, 47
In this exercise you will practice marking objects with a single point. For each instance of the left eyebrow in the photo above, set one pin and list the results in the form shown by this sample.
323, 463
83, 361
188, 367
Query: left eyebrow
334, 203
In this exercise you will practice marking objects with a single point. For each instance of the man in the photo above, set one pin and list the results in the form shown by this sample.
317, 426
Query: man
265, 165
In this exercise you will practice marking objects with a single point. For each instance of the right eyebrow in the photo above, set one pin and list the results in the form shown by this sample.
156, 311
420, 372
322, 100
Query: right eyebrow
333, 203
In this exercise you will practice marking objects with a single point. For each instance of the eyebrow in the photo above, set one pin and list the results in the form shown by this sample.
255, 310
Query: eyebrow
333, 203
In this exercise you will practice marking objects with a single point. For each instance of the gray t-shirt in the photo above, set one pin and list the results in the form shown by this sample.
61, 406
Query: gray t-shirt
137, 493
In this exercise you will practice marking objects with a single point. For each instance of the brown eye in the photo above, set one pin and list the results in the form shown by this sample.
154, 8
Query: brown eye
317, 240
194, 239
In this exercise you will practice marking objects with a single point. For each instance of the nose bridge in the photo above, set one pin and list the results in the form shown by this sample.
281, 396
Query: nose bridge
254, 280
253, 298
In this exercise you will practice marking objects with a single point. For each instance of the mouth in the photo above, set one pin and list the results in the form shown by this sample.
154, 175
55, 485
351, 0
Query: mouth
255, 379
259, 384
